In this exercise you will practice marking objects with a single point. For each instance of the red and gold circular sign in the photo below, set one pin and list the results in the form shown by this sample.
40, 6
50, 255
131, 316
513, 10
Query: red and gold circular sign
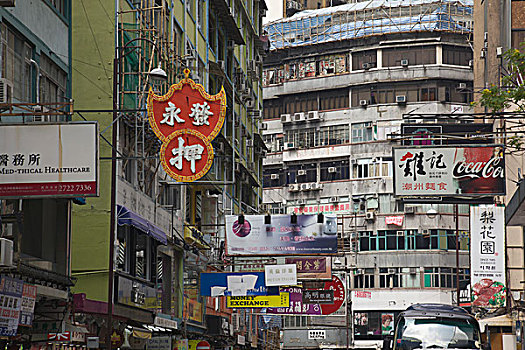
186, 155
186, 119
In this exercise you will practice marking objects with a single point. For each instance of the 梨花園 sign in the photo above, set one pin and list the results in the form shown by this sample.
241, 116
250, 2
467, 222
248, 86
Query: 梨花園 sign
281, 300
51, 160
186, 119
487, 256
281, 237
449, 171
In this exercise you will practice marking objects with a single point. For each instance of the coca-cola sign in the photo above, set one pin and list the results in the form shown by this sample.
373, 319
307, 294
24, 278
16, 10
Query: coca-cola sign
449, 171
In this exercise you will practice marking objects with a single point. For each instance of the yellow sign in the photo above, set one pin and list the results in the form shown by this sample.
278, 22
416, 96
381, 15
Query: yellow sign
282, 300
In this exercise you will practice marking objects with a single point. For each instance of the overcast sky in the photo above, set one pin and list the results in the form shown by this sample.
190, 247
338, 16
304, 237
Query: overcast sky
275, 10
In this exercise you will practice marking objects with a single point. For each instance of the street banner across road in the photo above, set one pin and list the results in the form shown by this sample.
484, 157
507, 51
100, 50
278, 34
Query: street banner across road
487, 256
281, 237
449, 171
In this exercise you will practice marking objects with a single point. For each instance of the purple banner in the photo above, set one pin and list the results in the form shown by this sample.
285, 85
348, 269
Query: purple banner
297, 307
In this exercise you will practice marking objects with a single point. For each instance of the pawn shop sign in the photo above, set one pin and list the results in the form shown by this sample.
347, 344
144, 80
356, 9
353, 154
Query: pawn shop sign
186, 120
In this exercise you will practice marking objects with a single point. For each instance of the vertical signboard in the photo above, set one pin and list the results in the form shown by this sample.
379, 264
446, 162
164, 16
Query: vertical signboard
487, 256
11, 290
28, 305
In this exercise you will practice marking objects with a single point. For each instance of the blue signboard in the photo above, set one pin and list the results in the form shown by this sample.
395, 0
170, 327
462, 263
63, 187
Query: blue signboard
215, 284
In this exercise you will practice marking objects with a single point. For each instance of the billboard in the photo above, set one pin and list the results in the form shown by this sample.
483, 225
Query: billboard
49, 160
215, 284
281, 237
299, 307
487, 256
312, 267
449, 171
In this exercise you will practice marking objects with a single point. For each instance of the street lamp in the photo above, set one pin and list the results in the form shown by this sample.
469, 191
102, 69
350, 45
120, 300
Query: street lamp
157, 74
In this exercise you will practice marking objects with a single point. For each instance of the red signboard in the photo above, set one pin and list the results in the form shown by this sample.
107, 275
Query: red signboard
186, 119
394, 220
339, 296
64, 336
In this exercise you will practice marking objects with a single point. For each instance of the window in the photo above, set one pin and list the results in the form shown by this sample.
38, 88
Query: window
296, 321
212, 32
274, 177
443, 277
274, 142
368, 324
359, 59
334, 135
337, 170
200, 9
428, 94
368, 167
415, 55
364, 278
302, 138
190, 7
53, 81
136, 253
362, 132
457, 55
16, 66
303, 173
59, 5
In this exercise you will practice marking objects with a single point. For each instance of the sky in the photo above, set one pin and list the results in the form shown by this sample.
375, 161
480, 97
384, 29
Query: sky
275, 10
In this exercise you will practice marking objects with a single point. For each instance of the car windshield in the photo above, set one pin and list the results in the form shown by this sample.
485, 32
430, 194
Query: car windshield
437, 333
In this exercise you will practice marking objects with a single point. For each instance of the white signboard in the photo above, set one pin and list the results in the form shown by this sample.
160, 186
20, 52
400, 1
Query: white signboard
449, 171
159, 343
316, 334
92, 342
241, 339
280, 275
487, 256
165, 322
49, 160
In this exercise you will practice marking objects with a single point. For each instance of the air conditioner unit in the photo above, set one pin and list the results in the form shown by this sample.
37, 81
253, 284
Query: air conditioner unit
359, 272
316, 186
286, 118
462, 86
6, 91
6, 252
313, 115
332, 169
289, 145
363, 103
274, 176
424, 232
297, 117
391, 271
410, 209
366, 65
370, 215
293, 187
471, 63
41, 118
301, 172
301, 202
404, 62
264, 126
249, 143
400, 233
305, 187
413, 270
334, 199
401, 99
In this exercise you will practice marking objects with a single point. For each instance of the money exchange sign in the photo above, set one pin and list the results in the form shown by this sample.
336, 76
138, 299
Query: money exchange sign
186, 120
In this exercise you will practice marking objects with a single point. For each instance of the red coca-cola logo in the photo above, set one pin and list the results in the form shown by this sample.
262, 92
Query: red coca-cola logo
493, 168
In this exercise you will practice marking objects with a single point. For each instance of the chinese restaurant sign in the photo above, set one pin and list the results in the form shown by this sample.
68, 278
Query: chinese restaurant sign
281, 237
449, 171
487, 254
186, 120
312, 268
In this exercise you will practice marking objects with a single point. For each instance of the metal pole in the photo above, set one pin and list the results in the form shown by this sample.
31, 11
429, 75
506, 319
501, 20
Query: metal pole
113, 203
456, 211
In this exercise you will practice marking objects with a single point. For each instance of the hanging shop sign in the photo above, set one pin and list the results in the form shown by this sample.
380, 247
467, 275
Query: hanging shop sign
298, 307
11, 290
312, 268
449, 171
215, 284
318, 296
305, 237
394, 220
186, 119
282, 300
28, 305
487, 256
49, 160
280, 275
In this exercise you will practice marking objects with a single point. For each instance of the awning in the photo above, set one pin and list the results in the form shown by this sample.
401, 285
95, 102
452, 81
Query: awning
497, 321
128, 217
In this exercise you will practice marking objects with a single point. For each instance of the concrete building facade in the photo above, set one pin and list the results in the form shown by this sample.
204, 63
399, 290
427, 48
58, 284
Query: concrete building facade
334, 105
